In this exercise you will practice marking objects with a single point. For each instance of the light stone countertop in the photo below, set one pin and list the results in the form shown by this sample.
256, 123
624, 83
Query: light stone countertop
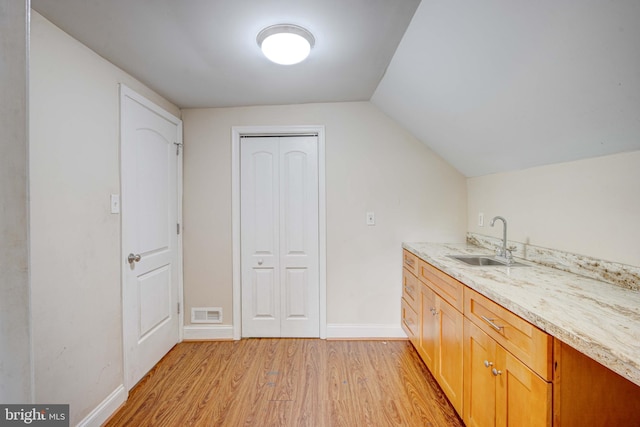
599, 319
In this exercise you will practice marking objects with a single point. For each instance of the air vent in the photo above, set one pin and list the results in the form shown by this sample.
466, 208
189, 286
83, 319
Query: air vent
206, 315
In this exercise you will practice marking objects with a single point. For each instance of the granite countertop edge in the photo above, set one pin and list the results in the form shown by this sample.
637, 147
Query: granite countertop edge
596, 318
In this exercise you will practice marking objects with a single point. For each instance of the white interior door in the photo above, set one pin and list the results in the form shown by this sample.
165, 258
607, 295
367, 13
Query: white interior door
279, 236
149, 173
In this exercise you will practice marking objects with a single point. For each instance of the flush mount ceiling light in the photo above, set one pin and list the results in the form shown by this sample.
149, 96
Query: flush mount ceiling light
285, 44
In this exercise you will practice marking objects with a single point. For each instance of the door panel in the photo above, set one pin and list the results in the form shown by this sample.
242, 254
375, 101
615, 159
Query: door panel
149, 217
263, 291
279, 234
479, 405
299, 236
154, 291
297, 301
259, 240
523, 398
449, 373
265, 210
155, 154
428, 328
294, 199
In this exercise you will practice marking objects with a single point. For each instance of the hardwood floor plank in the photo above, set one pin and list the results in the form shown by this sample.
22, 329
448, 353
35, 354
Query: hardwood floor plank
288, 382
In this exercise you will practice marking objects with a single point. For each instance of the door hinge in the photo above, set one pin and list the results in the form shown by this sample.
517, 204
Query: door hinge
178, 145
178, 308
178, 228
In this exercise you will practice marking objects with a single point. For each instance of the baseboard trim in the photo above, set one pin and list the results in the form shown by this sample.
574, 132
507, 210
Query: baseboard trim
366, 331
207, 332
105, 409
334, 331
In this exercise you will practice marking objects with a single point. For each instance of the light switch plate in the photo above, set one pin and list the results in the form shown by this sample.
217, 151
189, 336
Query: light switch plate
115, 203
371, 218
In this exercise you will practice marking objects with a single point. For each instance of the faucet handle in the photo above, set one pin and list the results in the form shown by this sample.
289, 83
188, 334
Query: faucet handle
512, 248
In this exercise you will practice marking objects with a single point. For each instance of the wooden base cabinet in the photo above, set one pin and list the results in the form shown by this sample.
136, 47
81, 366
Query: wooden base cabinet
499, 389
441, 330
441, 344
498, 369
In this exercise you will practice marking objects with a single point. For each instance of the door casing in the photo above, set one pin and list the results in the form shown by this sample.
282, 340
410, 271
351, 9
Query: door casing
236, 133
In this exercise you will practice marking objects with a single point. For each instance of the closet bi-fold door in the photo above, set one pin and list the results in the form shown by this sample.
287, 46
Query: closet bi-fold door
279, 236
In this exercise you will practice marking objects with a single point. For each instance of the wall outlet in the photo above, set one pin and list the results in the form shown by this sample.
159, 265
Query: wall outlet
480, 219
371, 218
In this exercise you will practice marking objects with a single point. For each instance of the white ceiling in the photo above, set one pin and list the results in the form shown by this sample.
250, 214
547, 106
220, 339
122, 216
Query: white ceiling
203, 53
489, 85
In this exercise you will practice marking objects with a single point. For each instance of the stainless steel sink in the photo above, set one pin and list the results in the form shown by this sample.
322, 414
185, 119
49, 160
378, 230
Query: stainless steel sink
483, 260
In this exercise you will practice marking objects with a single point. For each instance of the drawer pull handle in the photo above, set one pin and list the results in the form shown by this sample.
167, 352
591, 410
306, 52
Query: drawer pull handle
495, 372
409, 262
493, 325
408, 290
487, 363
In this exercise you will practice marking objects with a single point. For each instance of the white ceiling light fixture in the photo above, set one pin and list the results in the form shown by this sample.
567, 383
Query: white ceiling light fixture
285, 44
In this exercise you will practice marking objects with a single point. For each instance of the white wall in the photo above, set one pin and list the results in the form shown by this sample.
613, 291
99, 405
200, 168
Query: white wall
588, 207
372, 164
496, 86
15, 335
75, 240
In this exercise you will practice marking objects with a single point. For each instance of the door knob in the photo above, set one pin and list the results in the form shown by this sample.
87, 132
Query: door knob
260, 261
133, 258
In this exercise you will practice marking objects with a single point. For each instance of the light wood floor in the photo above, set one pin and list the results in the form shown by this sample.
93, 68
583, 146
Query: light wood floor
288, 382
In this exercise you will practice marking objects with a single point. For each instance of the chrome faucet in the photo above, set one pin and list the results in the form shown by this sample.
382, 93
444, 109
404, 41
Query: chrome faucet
503, 252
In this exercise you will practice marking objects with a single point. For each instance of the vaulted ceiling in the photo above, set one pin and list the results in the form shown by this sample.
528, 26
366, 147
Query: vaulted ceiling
490, 86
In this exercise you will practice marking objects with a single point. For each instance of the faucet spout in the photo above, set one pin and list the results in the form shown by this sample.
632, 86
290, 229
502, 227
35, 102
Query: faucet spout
503, 251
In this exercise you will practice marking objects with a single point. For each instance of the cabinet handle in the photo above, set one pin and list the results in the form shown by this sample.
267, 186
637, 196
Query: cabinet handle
493, 325
487, 363
433, 311
409, 262
495, 372
408, 290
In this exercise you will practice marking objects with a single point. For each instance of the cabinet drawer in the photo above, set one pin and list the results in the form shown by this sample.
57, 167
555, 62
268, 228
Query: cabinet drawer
529, 344
444, 285
411, 289
410, 262
409, 321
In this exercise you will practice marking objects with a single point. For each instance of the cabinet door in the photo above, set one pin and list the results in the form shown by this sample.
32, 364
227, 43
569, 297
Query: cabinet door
523, 399
449, 371
428, 328
479, 385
